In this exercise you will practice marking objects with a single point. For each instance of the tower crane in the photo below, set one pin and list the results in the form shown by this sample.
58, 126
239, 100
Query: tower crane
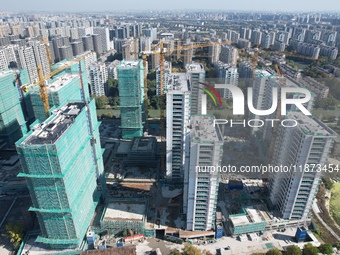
48, 52
42, 79
162, 51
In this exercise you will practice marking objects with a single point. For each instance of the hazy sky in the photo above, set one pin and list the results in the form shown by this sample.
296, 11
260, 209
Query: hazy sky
111, 5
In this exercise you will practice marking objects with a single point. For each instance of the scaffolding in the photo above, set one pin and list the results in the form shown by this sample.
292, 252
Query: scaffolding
115, 224
250, 220
62, 88
61, 177
131, 96
12, 120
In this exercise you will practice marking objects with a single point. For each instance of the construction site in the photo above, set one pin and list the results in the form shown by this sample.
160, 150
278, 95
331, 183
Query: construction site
124, 198
61, 88
131, 95
12, 120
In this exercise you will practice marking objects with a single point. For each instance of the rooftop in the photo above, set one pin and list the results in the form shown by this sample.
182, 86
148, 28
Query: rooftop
53, 128
262, 73
252, 215
240, 220
178, 82
310, 125
64, 63
65, 46
203, 129
125, 210
195, 68
61, 81
6, 72
129, 63
167, 67
143, 144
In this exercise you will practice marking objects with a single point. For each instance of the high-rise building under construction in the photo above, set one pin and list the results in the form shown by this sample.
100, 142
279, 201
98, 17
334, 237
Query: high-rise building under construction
12, 120
131, 96
62, 163
64, 87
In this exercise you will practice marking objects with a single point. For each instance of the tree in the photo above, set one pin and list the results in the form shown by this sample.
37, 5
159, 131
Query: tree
274, 251
326, 248
337, 245
154, 102
191, 250
125, 233
309, 249
326, 103
290, 48
15, 233
151, 75
205, 252
112, 58
293, 250
112, 86
328, 183
107, 115
101, 102
175, 252
328, 118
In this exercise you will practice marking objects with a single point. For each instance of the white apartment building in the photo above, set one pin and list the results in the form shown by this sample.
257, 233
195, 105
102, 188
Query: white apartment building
25, 59
263, 85
7, 55
227, 74
177, 122
105, 37
40, 54
308, 143
166, 74
229, 54
201, 188
196, 74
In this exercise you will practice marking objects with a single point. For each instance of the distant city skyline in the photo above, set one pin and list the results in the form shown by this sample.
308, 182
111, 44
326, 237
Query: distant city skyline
103, 5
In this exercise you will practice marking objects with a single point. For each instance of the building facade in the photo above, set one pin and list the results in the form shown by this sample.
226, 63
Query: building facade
227, 74
196, 74
62, 164
201, 187
12, 120
98, 79
177, 122
131, 95
229, 54
306, 144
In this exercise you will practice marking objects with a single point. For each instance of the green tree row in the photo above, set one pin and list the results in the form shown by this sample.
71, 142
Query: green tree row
308, 249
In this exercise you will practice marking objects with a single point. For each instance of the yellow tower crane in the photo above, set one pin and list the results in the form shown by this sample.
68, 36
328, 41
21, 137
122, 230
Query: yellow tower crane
42, 79
48, 52
162, 52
